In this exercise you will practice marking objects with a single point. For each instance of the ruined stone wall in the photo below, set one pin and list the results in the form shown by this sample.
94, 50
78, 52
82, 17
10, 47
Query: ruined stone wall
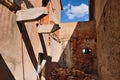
84, 36
108, 41
73, 64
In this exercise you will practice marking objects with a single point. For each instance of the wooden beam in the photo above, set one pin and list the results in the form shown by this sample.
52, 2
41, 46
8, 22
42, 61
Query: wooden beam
31, 14
10, 4
50, 28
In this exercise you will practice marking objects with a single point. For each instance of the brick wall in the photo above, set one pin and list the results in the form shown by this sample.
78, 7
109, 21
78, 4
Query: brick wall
80, 66
84, 37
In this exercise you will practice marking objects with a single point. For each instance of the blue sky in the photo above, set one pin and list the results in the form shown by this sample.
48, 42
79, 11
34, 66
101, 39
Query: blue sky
74, 10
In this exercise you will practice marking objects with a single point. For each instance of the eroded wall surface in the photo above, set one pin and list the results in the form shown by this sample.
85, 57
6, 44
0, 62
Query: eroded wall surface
19, 44
73, 64
108, 41
23, 41
84, 36
10, 46
99, 7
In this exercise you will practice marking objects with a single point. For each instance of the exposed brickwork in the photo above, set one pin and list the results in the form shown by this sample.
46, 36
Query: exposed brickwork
84, 66
85, 38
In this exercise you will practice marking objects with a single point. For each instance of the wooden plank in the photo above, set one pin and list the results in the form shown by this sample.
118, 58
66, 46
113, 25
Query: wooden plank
31, 14
48, 28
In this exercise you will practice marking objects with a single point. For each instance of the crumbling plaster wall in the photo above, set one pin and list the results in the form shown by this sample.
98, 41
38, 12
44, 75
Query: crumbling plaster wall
108, 40
26, 42
15, 49
10, 43
31, 45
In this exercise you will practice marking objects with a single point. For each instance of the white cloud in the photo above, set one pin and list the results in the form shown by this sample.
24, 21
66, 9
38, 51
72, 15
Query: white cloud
76, 11
67, 7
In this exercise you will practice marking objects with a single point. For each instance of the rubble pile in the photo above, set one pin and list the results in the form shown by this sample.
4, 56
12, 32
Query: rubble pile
71, 74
